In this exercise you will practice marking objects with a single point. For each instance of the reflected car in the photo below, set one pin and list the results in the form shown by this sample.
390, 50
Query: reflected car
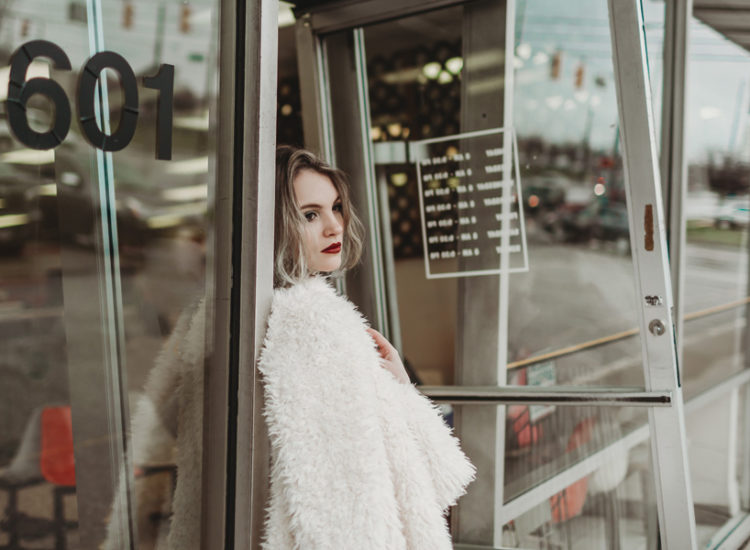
16, 213
599, 219
734, 214
544, 192
148, 201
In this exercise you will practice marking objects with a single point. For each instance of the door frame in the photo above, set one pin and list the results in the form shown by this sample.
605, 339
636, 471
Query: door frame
666, 424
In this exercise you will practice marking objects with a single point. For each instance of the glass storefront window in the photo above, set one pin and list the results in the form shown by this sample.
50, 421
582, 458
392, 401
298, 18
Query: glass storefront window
565, 119
106, 271
606, 501
104, 274
716, 274
716, 267
572, 317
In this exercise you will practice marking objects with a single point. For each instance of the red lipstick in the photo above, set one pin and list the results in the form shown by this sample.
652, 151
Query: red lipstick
335, 248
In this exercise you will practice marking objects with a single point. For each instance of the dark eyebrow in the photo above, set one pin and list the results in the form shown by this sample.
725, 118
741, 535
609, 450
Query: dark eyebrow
312, 205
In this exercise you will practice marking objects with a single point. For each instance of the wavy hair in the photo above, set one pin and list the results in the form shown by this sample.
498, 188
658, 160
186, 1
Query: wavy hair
290, 265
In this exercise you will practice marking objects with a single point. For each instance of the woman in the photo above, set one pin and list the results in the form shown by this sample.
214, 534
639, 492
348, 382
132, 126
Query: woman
308, 239
360, 459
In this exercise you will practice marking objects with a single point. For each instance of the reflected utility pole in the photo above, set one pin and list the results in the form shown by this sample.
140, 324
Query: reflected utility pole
161, 16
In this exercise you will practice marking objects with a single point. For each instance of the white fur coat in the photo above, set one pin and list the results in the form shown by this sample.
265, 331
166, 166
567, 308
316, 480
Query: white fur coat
167, 427
359, 460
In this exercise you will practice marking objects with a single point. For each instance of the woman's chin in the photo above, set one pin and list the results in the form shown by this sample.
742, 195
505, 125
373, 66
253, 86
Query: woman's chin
327, 265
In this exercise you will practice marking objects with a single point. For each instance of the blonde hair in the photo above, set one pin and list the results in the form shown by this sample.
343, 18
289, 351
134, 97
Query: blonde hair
290, 265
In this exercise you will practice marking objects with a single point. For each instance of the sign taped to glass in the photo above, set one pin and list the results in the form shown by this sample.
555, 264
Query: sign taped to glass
470, 197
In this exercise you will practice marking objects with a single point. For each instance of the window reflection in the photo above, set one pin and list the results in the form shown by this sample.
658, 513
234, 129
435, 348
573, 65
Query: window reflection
716, 253
572, 318
55, 355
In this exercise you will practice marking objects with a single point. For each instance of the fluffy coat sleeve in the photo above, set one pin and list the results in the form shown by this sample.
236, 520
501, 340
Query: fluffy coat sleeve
358, 460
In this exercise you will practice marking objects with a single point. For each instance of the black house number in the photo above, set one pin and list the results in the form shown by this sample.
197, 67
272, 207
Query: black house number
20, 90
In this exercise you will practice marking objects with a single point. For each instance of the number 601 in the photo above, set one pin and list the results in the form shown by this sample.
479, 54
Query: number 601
20, 91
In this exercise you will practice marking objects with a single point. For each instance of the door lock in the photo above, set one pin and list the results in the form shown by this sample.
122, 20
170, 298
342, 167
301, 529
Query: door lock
656, 327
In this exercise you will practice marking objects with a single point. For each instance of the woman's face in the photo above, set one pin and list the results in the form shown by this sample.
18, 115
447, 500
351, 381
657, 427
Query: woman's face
323, 229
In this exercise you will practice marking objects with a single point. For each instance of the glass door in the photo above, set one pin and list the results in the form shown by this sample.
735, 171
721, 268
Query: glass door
114, 216
504, 160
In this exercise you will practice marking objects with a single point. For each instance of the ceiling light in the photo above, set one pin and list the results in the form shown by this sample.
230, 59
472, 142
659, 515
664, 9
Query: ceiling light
454, 64
394, 129
399, 179
445, 77
432, 70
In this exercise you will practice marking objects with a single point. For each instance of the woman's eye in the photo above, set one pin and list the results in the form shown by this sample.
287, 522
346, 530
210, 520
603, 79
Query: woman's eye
338, 207
310, 216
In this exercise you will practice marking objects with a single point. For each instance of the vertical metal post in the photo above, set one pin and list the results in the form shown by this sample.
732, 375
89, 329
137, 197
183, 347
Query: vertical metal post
235, 450
744, 392
349, 136
389, 264
311, 68
648, 241
481, 345
673, 161
218, 293
256, 266
744, 436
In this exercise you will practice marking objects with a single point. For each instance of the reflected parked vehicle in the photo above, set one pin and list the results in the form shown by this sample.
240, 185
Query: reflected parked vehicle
544, 192
600, 219
149, 201
15, 210
733, 214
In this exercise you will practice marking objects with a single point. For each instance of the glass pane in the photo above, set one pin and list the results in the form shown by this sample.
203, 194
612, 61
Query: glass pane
579, 292
571, 318
543, 440
102, 272
573, 312
716, 278
716, 272
609, 494
717, 454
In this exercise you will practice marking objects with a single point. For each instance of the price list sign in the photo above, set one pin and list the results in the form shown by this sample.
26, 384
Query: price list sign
470, 197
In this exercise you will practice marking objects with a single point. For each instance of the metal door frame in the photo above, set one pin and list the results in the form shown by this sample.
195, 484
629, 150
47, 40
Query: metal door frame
666, 423
649, 245
235, 440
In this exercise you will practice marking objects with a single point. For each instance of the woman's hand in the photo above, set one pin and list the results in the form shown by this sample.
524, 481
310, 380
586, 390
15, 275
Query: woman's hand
391, 361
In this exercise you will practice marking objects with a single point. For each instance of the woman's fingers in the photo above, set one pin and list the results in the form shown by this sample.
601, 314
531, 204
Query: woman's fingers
384, 346
391, 360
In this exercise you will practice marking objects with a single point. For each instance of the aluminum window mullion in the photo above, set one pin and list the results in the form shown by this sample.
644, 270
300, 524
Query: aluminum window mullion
235, 455
344, 135
673, 160
745, 438
373, 216
256, 266
311, 68
648, 242
218, 289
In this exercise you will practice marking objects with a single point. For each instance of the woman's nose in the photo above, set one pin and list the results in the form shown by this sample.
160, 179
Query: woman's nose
333, 225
